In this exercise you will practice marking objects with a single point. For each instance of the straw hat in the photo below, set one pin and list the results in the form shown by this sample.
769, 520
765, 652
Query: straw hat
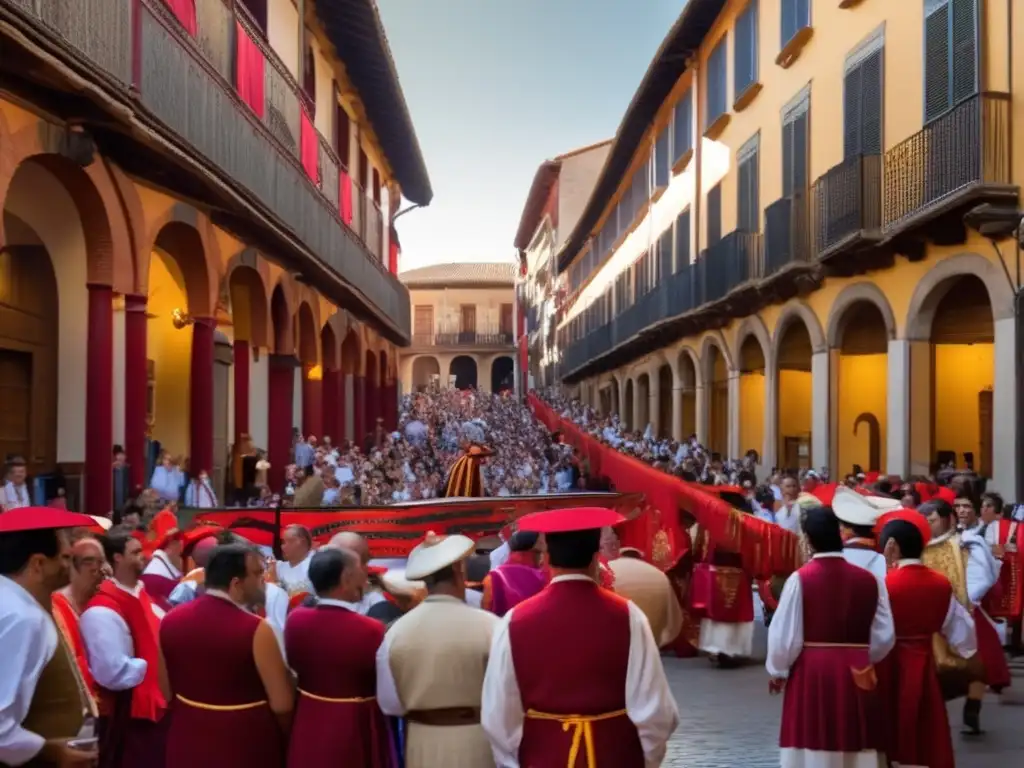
436, 553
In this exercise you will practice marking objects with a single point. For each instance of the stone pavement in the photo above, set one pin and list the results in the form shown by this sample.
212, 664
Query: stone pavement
728, 720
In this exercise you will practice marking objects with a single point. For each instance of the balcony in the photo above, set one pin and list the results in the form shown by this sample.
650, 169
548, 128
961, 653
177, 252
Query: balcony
734, 260
957, 161
846, 206
493, 339
245, 161
787, 233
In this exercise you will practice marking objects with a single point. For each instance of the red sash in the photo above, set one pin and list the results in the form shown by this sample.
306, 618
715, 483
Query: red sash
148, 702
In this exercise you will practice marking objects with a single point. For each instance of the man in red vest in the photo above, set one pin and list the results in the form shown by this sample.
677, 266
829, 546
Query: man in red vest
574, 671
120, 628
333, 652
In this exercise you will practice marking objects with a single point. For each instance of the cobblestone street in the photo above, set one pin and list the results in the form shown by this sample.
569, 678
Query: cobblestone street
728, 720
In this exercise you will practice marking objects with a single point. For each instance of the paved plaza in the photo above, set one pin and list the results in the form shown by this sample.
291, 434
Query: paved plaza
728, 720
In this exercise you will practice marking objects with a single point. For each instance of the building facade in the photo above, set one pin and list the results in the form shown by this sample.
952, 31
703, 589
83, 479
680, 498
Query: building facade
196, 230
805, 239
463, 327
557, 196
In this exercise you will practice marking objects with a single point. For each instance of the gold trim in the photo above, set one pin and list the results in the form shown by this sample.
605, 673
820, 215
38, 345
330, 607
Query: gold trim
582, 731
329, 700
220, 707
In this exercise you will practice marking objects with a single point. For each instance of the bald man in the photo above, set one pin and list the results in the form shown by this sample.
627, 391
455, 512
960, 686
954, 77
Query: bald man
373, 593
87, 561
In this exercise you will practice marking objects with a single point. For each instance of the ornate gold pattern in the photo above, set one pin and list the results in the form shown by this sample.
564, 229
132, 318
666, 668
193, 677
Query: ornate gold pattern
728, 582
947, 557
661, 549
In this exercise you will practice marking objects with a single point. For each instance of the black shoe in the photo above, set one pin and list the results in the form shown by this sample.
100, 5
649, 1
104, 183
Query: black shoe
972, 718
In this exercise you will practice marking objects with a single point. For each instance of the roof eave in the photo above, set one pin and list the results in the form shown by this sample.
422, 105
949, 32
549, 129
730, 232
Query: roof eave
543, 180
667, 66
355, 29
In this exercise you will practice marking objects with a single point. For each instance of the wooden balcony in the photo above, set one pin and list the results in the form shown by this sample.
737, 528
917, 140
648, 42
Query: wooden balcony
444, 339
173, 114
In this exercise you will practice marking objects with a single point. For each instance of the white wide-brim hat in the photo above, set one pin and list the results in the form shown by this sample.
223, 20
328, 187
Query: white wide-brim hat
854, 508
103, 522
437, 553
396, 582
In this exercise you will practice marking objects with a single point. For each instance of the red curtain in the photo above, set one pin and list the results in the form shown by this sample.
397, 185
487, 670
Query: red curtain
345, 197
309, 147
393, 257
769, 549
185, 11
249, 63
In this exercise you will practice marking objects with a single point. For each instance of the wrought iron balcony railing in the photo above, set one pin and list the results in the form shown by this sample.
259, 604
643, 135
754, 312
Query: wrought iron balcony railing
787, 233
846, 202
734, 260
189, 85
967, 147
445, 338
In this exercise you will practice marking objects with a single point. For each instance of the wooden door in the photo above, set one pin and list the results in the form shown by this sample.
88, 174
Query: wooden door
423, 324
467, 322
505, 320
15, 404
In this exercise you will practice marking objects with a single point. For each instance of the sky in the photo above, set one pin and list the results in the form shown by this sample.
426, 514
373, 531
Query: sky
495, 87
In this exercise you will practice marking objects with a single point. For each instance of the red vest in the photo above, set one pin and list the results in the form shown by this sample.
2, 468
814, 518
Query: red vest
839, 601
920, 600
570, 646
148, 702
324, 667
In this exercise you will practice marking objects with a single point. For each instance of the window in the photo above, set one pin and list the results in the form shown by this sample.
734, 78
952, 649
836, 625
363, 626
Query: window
748, 218
309, 78
641, 185
662, 165
505, 320
665, 254
862, 102
423, 323
683, 240
714, 215
342, 130
717, 85
950, 54
794, 144
257, 10
744, 68
682, 127
796, 14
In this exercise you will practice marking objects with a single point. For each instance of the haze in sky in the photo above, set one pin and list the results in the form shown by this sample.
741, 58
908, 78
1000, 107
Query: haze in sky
495, 87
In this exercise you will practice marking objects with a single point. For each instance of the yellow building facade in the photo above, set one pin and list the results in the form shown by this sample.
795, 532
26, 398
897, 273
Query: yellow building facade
804, 241
196, 238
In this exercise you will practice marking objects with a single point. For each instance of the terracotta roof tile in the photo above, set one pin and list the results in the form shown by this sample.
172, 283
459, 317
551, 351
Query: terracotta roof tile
461, 273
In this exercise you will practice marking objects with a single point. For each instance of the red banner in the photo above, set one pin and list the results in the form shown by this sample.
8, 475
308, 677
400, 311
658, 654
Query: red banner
393, 530
767, 548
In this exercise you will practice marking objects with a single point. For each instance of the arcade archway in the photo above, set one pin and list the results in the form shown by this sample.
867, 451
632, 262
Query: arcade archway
502, 374
752, 371
426, 373
464, 369
793, 353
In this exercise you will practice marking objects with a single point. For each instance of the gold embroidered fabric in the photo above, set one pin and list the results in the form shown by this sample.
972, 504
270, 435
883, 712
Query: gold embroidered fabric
728, 582
948, 558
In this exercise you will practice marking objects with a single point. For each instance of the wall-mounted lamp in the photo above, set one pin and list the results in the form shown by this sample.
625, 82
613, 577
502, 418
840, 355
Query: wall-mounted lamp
315, 373
180, 318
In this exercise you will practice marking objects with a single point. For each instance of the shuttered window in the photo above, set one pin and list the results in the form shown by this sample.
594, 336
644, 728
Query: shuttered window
641, 186
796, 14
748, 218
795, 145
744, 68
683, 240
662, 164
950, 54
862, 105
714, 215
682, 127
665, 254
717, 84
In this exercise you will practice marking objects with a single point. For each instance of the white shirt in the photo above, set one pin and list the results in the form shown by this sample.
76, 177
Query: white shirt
16, 496
786, 632
28, 641
958, 627
788, 517
649, 701
161, 565
109, 646
295, 578
276, 607
200, 494
500, 555
867, 559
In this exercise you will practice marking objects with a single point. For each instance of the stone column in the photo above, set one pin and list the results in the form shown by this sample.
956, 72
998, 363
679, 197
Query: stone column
312, 404
677, 413
201, 396
332, 405
1005, 462
920, 406
770, 446
99, 399
897, 413
654, 407
703, 407
734, 415
820, 419
136, 383
281, 383
242, 362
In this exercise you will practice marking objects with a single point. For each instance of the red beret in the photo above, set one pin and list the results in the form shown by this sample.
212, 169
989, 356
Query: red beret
42, 519
569, 520
911, 516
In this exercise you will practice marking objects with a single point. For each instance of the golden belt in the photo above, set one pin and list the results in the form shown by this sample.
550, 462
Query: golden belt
220, 707
583, 731
329, 700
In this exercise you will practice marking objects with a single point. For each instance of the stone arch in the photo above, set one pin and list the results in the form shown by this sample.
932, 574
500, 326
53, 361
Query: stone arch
184, 233
939, 279
851, 295
330, 353
423, 368
307, 340
250, 306
466, 370
687, 363
713, 339
281, 322
753, 325
107, 229
798, 310
351, 353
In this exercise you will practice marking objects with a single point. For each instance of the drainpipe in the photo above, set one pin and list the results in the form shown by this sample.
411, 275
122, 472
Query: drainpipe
301, 7
698, 155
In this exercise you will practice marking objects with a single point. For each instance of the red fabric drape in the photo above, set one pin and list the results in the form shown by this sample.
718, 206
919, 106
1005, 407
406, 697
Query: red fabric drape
249, 63
345, 197
393, 257
309, 147
769, 549
185, 11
